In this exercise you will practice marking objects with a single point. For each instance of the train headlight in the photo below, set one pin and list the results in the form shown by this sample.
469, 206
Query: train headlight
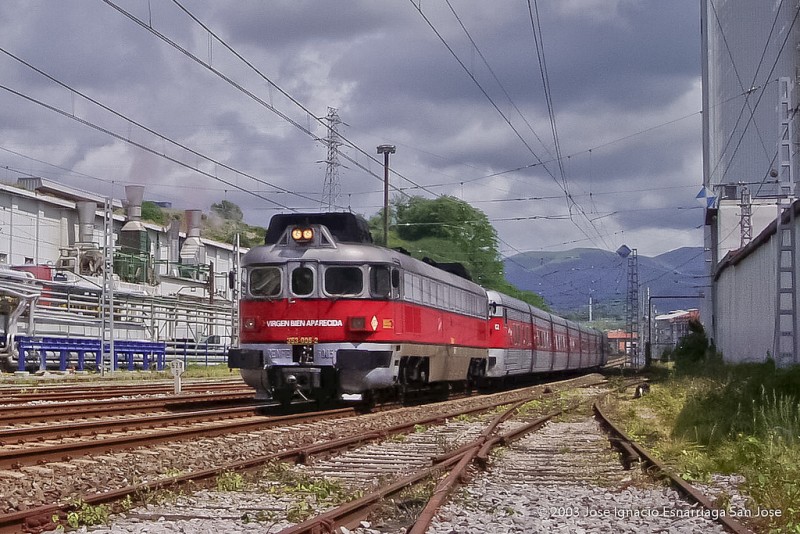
302, 235
249, 324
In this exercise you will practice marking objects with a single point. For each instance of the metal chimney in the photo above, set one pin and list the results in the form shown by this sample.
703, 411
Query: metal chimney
86, 216
173, 233
134, 194
193, 221
193, 252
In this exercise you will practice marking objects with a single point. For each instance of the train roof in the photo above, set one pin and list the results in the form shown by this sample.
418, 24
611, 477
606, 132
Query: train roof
345, 227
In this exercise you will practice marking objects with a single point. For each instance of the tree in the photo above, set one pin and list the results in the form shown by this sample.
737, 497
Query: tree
447, 229
228, 210
153, 212
692, 349
472, 237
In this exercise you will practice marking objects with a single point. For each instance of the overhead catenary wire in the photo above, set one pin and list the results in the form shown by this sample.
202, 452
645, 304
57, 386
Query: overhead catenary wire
746, 90
152, 131
141, 146
500, 112
496, 78
301, 121
311, 116
761, 93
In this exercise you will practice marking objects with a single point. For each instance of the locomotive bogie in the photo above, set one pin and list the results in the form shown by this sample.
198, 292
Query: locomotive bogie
421, 364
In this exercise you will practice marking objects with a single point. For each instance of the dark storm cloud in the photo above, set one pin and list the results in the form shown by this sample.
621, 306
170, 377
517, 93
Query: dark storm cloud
297, 23
616, 67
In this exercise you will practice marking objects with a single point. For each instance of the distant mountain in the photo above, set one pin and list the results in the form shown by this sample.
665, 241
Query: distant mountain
566, 279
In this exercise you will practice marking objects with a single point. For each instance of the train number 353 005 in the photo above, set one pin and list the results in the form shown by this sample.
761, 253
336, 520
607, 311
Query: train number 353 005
302, 340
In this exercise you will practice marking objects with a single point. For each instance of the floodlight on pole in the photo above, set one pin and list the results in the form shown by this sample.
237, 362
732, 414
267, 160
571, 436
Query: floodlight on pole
632, 301
386, 150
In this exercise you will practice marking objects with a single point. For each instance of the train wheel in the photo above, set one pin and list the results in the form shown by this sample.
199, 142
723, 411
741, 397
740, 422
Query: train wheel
284, 397
367, 402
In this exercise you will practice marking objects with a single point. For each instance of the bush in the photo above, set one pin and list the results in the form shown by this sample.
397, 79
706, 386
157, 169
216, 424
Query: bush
692, 350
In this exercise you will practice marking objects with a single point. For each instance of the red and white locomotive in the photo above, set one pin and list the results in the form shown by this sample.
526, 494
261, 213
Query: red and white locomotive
324, 313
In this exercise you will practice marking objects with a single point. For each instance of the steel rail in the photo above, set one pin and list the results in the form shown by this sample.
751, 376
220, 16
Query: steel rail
107, 392
55, 412
141, 422
40, 518
66, 451
683, 487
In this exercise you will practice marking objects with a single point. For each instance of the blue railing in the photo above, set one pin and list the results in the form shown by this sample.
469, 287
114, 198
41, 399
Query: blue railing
126, 352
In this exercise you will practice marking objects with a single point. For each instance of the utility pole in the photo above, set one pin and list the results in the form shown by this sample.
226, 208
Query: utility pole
107, 293
386, 150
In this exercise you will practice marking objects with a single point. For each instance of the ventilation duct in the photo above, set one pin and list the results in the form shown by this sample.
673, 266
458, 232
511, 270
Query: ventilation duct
193, 251
174, 235
86, 216
134, 194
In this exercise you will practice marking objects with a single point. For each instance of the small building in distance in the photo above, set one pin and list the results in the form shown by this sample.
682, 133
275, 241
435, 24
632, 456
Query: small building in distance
620, 341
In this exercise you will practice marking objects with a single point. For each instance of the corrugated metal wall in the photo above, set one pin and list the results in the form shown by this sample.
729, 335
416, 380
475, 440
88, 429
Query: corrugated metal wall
746, 290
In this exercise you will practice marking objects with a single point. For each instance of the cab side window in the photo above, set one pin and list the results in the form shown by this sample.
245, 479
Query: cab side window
344, 280
380, 281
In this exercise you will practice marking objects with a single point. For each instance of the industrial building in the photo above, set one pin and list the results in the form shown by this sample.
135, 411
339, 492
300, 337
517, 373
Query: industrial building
74, 266
750, 165
669, 328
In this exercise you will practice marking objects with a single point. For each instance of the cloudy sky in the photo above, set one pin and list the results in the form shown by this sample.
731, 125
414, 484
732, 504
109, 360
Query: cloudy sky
202, 101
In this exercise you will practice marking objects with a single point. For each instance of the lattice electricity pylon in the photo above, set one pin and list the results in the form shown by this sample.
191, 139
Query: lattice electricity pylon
632, 306
330, 189
746, 207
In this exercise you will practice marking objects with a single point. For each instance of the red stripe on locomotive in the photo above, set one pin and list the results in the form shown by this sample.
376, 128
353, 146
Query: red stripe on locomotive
331, 321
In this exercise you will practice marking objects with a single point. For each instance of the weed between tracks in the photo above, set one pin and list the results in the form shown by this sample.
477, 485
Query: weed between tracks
403, 509
307, 493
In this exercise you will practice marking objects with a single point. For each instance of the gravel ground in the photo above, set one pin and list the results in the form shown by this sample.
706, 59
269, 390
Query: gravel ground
563, 478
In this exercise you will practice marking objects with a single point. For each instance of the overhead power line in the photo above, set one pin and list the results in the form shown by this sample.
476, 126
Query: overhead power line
124, 139
257, 71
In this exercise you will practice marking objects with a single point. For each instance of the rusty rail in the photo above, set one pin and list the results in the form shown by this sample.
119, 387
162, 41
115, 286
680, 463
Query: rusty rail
683, 487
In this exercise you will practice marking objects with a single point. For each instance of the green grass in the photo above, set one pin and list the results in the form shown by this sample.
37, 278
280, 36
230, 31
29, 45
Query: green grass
741, 419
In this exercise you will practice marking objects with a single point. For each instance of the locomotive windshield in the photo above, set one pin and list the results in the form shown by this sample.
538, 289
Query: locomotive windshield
265, 281
302, 281
344, 281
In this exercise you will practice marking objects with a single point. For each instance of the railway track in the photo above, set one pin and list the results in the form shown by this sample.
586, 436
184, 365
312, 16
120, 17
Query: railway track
39, 394
571, 458
201, 458
562, 478
91, 409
